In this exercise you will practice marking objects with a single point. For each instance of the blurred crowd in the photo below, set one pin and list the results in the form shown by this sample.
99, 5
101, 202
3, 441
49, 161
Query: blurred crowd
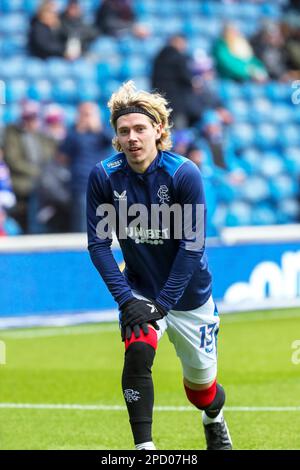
44, 165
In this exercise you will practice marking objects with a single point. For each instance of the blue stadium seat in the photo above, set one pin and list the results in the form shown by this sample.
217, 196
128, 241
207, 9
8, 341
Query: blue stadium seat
65, 91
276, 91
282, 113
264, 214
84, 70
251, 157
167, 8
255, 189
130, 45
239, 214
88, 91
107, 88
174, 25
151, 48
226, 192
11, 113
14, 22
218, 218
288, 211
295, 114
145, 7
242, 135
12, 67
261, 110
11, 6
16, 90
35, 69
14, 44
230, 90
107, 71
41, 90
198, 25
271, 9
266, 136
240, 110
271, 165
58, 67
250, 12
290, 135
29, 6
292, 159
251, 90
212, 8
188, 8
105, 47
283, 186
70, 114
133, 67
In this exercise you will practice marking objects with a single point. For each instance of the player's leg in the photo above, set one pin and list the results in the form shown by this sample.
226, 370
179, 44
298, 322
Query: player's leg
137, 385
194, 335
209, 396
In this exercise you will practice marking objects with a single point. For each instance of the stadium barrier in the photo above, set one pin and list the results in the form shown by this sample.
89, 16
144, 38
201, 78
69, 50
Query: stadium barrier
50, 280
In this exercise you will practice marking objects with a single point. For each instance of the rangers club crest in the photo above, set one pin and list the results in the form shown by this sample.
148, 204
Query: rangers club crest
131, 395
163, 194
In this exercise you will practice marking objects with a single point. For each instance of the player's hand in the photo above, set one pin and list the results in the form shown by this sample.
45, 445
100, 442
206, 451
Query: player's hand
139, 312
126, 332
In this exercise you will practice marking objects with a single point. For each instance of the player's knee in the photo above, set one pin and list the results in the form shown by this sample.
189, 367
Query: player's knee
211, 399
150, 338
139, 359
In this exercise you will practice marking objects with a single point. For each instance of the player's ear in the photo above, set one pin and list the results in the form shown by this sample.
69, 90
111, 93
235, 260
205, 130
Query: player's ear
159, 129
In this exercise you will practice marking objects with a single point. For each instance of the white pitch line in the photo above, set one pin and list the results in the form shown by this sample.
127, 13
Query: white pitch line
50, 406
52, 332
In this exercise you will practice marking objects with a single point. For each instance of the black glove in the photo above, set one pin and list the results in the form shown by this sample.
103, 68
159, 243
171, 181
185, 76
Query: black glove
136, 313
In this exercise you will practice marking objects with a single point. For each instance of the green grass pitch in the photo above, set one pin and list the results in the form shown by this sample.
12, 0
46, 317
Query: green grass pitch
82, 365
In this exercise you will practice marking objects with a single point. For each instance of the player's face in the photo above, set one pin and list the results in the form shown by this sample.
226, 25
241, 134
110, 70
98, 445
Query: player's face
137, 136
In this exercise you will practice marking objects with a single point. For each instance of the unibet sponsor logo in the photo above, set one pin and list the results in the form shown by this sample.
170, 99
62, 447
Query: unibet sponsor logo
114, 164
150, 236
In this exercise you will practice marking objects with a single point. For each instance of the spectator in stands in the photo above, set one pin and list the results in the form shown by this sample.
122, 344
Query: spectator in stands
172, 76
235, 58
26, 150
45, 35
7, 196
54, 196
85, 145
77, 33
117, 18
292, 49
291, 13
268, 46
204, 85
218, 152
8, 226
54, 125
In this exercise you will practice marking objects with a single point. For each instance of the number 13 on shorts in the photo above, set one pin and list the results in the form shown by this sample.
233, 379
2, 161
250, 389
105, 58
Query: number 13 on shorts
208, 337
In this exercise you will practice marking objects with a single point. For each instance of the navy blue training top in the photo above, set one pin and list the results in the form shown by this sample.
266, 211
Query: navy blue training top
158, 265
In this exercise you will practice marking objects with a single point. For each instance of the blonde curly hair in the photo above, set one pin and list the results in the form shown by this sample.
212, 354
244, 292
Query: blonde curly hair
155, 104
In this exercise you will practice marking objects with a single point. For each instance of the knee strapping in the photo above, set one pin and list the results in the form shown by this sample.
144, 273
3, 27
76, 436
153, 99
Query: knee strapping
150, 338
139, 359
211, 400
